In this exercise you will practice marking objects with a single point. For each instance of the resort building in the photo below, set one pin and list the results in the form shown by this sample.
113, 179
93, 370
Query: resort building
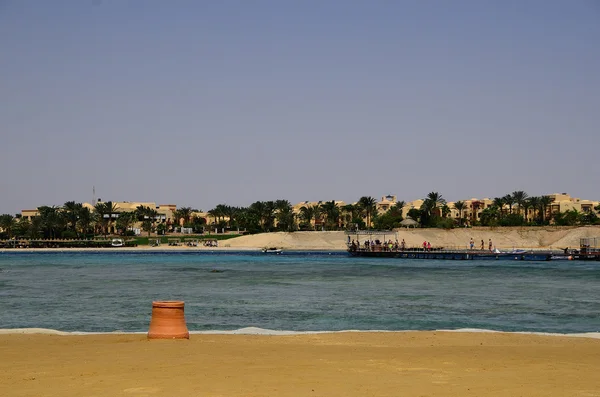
386, 203
29, 214
562, 202
473, 209
164, 211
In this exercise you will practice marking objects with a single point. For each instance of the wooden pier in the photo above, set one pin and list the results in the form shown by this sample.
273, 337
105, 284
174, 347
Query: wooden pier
589, 250
454, 254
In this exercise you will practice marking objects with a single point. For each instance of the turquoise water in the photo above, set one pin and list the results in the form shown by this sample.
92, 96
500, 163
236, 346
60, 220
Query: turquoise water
103, 292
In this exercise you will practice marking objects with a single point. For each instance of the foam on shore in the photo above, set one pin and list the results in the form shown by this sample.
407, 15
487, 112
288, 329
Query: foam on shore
269, 332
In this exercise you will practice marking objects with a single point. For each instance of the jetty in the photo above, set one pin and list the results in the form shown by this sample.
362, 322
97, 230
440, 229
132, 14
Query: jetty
375, 244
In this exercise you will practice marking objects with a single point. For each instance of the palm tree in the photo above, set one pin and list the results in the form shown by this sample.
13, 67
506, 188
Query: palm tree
148, 217
268, 216
125, 221
510, 201
101, 215
368, 205
111, 209
398, 207
177, 217
545, 202
519, 198
264, 212
216, 213
22, 227
286, 219
51, 221
35, 229
284, 215
429, 207
233, 214
534, 202
332, 214
349, 213
71, 211
460, 206
186, 214
8, 224
526, 206
500, 203
445, 210
308, 213
84, 219
436, 199
282, 205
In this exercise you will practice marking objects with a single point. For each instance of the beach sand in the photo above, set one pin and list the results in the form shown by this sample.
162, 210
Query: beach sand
328, 364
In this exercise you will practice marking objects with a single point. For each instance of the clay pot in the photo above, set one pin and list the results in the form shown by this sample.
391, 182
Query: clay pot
168, 321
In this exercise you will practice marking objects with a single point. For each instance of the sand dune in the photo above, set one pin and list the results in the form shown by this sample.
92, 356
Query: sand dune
502, 238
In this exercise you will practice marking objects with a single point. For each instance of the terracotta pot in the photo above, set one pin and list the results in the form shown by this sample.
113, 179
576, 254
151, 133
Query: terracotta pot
168, 321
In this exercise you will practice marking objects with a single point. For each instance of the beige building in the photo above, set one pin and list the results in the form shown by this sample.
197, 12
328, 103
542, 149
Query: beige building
165, 211
386, 203
562, 202
473, 209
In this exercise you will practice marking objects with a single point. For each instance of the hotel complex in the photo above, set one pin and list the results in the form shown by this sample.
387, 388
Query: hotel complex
560, 202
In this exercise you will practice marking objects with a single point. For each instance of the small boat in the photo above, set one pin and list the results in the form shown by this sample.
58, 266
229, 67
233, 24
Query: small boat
272, 250
561, 258
117, 242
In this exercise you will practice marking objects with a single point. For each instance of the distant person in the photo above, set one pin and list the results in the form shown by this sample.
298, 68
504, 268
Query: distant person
490, 245
482, 244
424, 245
472, 243
428, 246
403, 245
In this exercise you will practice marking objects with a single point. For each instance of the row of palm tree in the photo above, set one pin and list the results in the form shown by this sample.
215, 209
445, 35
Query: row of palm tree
73, 220
517, 208
514, 209
279, 215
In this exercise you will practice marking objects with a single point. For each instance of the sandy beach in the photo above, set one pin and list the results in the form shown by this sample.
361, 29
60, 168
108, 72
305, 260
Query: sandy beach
329, 364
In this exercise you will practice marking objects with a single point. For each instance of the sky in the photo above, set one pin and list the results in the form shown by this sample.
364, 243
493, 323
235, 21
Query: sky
199, 103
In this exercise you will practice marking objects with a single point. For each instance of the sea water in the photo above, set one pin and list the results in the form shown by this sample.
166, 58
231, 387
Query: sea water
296, 291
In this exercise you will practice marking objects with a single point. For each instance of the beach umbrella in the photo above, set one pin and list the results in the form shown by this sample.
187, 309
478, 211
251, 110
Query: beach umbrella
408, 222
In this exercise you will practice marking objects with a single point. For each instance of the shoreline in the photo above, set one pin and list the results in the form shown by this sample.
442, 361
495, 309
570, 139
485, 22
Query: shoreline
268, 332
144, 249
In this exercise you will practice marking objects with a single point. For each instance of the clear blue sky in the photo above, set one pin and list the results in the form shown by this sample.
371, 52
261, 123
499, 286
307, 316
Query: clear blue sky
198, 103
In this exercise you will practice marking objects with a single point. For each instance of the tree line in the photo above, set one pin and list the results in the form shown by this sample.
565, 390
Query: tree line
73, 220
279, 215
514, 209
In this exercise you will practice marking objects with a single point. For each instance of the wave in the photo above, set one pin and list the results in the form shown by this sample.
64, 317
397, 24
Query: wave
263, 331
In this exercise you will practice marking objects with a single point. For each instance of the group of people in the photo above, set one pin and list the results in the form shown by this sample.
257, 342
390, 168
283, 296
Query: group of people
490, 244
377, 245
